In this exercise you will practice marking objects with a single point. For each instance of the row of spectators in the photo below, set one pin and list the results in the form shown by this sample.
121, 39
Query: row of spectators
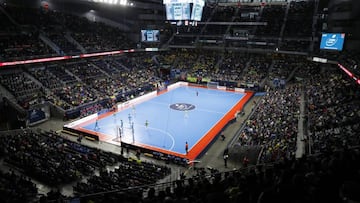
90, 109
205, 65
50, 158
72, 85
55, 161
69, 85
66, 47
256, 72
231, 67
274, 124
76, 84
333, 111
284, 66
26, 91
16, 188
330, 177
241, 70
76, 94
23, 44
130, 173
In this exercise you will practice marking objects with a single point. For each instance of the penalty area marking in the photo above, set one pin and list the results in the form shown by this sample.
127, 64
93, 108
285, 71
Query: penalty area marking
166, 133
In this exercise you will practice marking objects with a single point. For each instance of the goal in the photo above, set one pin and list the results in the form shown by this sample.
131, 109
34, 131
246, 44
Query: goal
212, 85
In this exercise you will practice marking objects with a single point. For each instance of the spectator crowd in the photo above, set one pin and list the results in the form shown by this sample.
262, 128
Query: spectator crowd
328, 172
55, 160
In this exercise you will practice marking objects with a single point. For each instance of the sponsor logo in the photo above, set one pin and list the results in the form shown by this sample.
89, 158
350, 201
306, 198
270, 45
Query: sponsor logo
331, 41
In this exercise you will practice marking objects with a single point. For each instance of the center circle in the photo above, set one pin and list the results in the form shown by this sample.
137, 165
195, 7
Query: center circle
182, 106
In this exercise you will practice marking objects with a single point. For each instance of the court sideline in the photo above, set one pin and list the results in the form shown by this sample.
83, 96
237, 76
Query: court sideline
213, 157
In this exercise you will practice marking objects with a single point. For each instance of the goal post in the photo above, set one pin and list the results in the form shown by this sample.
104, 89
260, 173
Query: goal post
161, 88
212, 85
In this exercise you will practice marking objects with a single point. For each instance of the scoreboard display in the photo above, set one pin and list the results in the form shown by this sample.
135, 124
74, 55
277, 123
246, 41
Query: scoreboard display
197, 9
178, 10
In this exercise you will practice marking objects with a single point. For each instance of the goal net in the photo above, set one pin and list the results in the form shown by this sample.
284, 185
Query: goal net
212, 85
161, 87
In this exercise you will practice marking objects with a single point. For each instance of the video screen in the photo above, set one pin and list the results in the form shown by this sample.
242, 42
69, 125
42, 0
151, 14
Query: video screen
332, 41
178, 11
197, 10
150, 35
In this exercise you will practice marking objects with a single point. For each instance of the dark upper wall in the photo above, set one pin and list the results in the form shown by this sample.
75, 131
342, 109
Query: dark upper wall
25, 3
344, 16
344, 9
132, 16
153, 9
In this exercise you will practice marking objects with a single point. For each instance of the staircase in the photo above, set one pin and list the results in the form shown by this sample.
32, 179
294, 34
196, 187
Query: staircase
203, 28
315, 19
300, 144
5, 93
284, 24
74, 42
9, 17
51, 44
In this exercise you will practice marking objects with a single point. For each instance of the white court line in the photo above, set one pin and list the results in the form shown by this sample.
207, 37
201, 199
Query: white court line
164, 132
161, 103
138, 125
216, 92
204, 110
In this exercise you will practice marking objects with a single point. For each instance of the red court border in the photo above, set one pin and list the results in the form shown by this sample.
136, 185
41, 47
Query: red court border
207, 138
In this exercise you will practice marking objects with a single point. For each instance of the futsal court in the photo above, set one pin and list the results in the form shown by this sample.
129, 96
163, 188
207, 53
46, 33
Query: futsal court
165, 122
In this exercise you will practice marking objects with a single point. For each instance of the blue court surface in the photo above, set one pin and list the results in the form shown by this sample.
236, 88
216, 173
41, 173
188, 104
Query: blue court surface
167, 121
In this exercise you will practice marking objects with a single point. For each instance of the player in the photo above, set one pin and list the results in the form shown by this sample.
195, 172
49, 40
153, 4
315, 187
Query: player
120, 135
114, 117
133, 132
132, 128
186, 114
197, 93
146, 123
186, 147
129, 116
133, 110
96, 125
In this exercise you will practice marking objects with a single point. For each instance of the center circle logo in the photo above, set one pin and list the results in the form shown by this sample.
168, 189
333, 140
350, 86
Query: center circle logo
182, 106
